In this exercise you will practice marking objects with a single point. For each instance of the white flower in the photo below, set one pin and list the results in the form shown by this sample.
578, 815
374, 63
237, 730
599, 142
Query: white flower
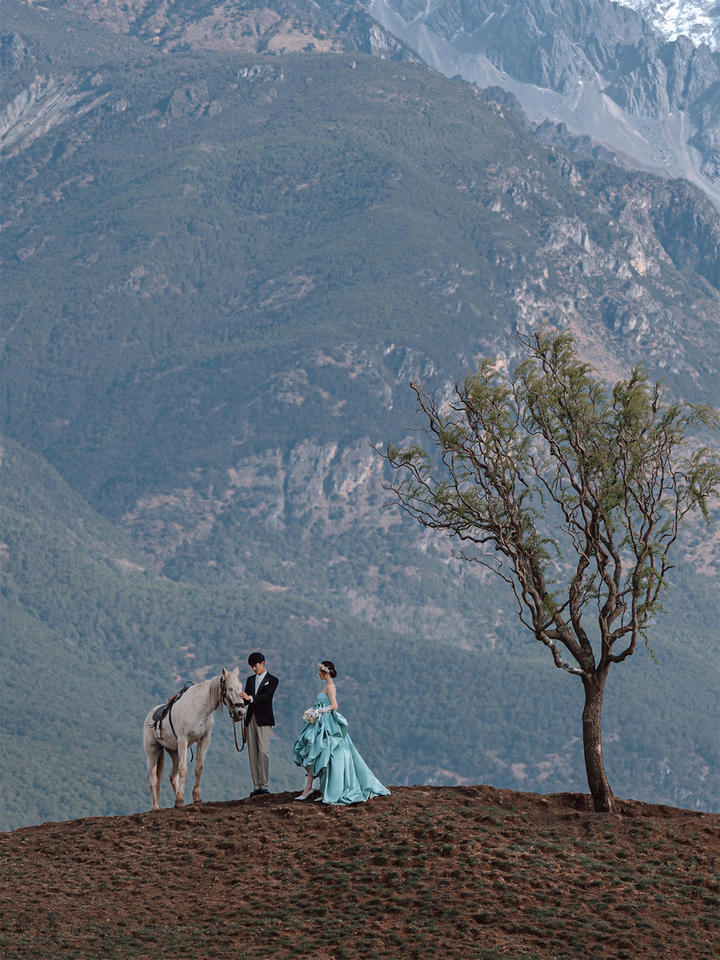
310, 715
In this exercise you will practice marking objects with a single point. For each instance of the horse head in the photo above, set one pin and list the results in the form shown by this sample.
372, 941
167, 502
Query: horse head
231, 688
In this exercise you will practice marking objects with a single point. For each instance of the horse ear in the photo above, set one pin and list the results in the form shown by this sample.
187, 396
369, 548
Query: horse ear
224, 672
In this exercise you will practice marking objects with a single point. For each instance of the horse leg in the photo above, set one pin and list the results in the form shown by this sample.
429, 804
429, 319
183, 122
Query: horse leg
154, 756
174, 771
182, 772
202, 746
155, 769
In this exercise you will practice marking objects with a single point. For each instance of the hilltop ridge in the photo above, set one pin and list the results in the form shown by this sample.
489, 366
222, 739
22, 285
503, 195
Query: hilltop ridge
472, 872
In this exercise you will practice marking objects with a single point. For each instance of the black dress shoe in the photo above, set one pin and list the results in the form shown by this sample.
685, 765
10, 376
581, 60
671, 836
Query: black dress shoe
255, 793
263, 791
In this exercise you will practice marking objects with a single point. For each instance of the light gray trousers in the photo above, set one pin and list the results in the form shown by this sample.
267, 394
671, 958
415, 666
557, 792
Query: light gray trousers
258, 746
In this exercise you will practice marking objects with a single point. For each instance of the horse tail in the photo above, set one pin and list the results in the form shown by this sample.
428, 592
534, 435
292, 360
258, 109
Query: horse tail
159, 764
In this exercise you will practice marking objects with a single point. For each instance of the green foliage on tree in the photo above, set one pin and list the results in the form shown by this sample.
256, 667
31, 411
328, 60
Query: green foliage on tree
573, 494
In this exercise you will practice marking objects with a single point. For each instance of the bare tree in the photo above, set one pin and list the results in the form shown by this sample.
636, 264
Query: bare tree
573, 494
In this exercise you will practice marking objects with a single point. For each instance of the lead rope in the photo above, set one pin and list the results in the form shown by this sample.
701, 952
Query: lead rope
223, 695
244, 738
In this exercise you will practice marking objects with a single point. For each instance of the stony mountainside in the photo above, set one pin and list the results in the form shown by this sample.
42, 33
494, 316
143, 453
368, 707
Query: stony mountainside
594, 65
254, 167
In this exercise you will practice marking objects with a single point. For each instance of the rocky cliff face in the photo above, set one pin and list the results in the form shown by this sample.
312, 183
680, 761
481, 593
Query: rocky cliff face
601, 68
45, 103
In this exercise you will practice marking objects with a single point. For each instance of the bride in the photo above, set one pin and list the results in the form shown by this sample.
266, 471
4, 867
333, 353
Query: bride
324, 748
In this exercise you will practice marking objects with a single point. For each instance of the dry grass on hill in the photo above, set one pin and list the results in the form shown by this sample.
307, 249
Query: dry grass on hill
461, 872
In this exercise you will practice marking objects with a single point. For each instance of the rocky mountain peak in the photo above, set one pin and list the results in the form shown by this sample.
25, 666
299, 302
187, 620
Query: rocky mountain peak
699, 20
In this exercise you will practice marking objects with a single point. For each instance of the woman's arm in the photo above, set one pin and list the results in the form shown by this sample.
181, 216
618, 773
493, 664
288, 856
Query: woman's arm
331, 696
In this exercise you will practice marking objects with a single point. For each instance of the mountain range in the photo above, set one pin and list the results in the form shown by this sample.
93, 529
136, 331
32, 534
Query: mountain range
232, 235
641, 79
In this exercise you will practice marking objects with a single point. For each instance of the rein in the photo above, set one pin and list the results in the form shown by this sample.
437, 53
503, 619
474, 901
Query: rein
172, 725
231, 706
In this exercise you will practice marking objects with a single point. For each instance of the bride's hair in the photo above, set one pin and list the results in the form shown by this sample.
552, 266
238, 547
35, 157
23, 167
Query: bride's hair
329, 667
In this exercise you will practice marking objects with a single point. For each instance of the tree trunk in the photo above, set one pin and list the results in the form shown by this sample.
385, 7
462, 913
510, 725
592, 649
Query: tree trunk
592, 742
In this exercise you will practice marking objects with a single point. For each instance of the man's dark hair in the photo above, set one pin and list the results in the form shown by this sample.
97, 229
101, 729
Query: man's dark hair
255, 658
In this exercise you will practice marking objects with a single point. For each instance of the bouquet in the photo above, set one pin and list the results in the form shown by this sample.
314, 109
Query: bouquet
310, 715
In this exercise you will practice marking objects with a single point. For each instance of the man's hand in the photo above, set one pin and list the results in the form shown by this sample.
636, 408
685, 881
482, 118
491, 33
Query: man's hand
245, 696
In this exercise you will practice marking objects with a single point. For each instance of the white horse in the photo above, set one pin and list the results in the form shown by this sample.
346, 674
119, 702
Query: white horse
190, 721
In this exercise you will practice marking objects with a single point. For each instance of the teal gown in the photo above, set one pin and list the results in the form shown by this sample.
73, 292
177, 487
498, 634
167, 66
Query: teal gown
324, 748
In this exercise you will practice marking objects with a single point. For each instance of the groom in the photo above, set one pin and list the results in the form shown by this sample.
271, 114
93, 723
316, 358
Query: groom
259, 720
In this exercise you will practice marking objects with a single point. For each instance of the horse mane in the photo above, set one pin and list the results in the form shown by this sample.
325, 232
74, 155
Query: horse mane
215, 691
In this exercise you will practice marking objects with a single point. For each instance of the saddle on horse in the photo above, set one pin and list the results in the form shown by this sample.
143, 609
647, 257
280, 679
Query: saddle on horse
166, 711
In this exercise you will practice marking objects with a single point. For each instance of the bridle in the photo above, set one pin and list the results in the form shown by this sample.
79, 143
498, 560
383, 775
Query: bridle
234, 707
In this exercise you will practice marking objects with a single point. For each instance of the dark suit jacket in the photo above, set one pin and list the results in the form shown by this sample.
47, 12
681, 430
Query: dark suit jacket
261, 707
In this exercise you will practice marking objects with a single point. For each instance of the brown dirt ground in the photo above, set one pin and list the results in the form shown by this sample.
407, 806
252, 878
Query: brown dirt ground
466, 872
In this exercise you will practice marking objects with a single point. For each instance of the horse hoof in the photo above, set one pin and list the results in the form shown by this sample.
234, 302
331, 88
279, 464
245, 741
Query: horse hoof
179, 802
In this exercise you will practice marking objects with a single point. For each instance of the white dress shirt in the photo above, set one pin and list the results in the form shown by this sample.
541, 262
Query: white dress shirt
259, 677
